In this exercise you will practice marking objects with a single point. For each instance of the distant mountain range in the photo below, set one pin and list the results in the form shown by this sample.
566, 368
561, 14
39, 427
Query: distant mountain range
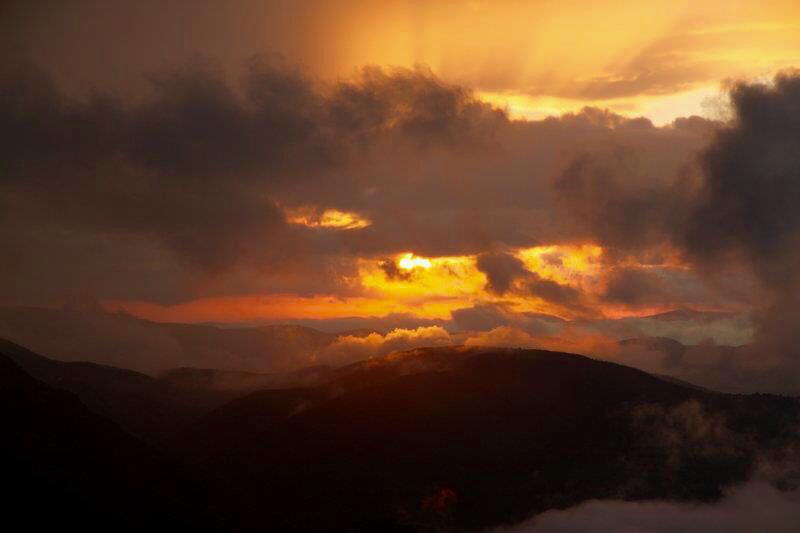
121, 340
152, 347
426, 440
690, 314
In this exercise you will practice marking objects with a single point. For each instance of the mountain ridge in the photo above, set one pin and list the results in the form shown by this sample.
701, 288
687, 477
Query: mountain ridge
500, 430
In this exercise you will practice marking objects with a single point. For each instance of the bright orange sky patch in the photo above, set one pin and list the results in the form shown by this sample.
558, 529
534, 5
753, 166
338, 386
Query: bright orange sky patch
428, 288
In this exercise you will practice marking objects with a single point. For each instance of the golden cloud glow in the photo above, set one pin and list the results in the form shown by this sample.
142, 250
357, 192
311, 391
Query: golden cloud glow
427, 288
233, 309
455, 282
659, 59
661, 110
409, 262
572, 265
450, 282
328, 218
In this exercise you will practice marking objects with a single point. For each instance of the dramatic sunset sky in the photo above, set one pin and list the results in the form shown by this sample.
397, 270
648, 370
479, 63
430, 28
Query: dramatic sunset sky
469, 161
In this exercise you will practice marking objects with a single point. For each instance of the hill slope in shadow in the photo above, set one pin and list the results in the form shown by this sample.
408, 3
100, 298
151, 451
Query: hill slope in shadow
460, 438
69, 467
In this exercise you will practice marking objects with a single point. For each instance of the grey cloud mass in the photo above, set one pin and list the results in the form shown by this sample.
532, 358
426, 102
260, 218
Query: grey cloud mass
181, 194
187, 185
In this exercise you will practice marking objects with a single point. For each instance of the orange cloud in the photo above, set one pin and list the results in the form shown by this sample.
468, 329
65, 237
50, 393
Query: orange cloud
327, 218
657, 59
513, 337
429, 288
433, 288
573, 265
350, 348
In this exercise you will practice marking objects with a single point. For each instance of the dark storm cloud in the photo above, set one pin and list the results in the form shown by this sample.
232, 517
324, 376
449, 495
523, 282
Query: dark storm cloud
731, 212
506, 273
751, 192
180, 193
553, 292
633, 286
736, 199
619, 196
162, 170
197, 167
501, 270
633, 191
748, 206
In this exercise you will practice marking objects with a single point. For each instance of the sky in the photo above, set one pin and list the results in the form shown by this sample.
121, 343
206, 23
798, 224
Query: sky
663, 59
473, 161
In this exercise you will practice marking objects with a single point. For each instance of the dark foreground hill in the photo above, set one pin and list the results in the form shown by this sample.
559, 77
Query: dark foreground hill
431, 439
458, 438
148, 407
68, 468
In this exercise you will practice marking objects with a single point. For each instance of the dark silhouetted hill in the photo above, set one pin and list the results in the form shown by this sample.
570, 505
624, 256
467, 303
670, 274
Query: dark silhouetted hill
68, 468
144, 406
445, 438
460, 438
154, 408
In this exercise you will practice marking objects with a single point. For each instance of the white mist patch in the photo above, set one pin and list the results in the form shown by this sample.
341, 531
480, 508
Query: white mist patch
754, 506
